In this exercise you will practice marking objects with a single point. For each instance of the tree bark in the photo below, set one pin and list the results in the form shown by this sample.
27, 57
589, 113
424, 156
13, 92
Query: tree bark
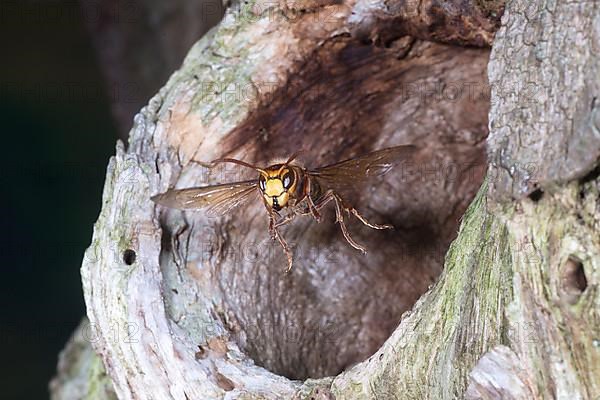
185, 306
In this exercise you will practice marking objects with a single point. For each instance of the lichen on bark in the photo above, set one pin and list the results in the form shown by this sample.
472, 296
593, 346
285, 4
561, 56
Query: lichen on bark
213, 316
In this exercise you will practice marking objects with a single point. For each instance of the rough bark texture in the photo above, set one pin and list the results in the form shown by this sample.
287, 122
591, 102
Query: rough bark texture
545, 142
545, 116
463, 22
187, 306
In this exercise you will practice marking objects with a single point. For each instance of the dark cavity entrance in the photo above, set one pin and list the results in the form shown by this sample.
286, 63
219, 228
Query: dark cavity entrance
574, 281
337, 307
129, 257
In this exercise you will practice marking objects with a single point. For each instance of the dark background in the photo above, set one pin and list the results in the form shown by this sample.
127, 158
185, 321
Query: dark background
72, 75
57, 134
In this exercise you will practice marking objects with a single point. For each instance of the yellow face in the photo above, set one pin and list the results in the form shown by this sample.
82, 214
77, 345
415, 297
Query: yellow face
276, 185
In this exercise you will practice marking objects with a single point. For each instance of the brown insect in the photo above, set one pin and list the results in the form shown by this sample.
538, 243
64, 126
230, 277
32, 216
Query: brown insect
288, 190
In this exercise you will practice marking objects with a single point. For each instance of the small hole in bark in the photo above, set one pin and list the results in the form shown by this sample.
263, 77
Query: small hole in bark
536, 195
574, 281
129, 257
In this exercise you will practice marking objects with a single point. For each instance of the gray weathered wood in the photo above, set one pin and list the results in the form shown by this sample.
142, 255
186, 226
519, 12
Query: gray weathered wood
544, 77
204, 309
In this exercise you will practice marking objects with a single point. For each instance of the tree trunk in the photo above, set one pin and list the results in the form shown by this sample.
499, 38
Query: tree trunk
185, 306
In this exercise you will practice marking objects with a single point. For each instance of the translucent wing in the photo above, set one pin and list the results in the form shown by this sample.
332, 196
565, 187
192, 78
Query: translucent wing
216, 199
350, 173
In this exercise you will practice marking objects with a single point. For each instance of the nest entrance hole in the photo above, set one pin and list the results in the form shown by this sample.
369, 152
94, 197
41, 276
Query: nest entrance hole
337, 307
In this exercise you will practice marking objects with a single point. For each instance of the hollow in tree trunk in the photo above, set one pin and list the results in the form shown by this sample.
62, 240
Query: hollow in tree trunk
185, 306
